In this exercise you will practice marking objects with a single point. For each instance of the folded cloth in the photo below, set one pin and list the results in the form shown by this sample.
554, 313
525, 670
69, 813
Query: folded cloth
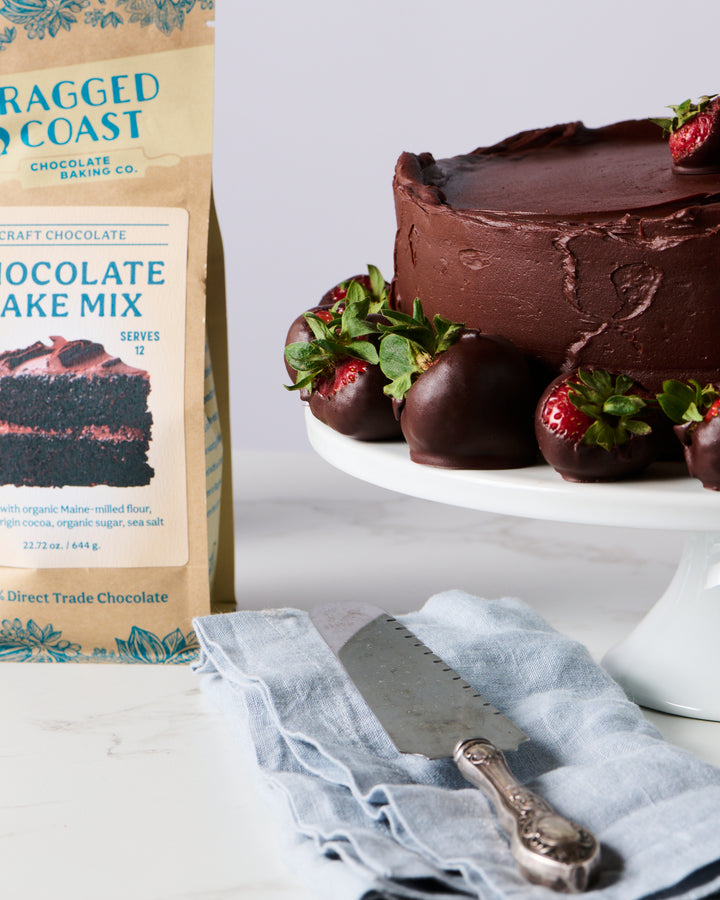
370, 822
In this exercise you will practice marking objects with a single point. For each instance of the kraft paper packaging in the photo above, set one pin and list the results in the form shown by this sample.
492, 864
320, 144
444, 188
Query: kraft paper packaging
115, 493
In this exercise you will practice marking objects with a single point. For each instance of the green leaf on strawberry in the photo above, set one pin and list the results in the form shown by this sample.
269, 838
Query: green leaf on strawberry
344, 336
684, 112
686, 402
371, 287
410, 344
354, 319
378, 289
607, 400
401, 360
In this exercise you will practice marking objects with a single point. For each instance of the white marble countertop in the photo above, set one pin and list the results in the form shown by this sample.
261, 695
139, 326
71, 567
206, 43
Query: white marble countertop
123, 781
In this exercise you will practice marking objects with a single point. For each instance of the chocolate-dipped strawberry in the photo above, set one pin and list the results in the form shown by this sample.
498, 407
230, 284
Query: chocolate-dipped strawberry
694, 135
464, 399
594, 426
371, 286
337, 372
695, 412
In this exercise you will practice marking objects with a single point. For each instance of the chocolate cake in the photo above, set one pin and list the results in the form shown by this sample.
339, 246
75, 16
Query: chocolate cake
71, 414
580, 245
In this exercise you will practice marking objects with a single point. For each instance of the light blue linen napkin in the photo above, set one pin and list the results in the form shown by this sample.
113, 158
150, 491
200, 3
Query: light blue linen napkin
369, 822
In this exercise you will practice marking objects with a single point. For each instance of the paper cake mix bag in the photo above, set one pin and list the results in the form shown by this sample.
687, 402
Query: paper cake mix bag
115, 494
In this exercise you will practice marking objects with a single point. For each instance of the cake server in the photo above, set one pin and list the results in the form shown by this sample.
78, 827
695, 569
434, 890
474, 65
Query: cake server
426, 708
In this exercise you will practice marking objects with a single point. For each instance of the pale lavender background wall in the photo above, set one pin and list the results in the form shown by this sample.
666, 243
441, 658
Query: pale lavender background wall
316, 99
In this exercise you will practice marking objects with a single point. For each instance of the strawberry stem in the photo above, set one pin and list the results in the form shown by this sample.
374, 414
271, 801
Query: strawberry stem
684, 112
410, 344
608, 402
686, 402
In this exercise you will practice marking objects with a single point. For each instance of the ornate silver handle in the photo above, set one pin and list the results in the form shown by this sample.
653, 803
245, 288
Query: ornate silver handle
549, 849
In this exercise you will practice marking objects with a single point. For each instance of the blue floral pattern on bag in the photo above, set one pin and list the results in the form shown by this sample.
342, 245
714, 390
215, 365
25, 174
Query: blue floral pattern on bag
166, 15
43, 18
7, 36
30, 643
145, 647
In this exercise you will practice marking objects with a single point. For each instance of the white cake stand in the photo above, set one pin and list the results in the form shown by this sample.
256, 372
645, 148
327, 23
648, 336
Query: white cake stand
671, 661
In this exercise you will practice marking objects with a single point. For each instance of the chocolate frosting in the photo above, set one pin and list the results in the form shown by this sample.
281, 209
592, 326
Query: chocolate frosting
581, 245
568, 171
80, 357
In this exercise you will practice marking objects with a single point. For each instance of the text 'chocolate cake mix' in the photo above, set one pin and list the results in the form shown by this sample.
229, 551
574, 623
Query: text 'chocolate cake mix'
115, 494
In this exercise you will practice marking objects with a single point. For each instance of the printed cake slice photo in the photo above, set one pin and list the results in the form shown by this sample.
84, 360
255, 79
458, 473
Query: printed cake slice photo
72, 414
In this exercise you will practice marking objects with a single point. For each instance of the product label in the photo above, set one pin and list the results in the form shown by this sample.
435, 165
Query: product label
92, 377
99, 122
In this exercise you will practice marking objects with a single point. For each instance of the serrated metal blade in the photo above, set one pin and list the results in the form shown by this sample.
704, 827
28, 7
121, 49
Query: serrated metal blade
422, 703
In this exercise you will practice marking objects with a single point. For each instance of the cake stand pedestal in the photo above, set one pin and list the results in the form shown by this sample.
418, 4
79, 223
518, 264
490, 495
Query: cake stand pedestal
671, 661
